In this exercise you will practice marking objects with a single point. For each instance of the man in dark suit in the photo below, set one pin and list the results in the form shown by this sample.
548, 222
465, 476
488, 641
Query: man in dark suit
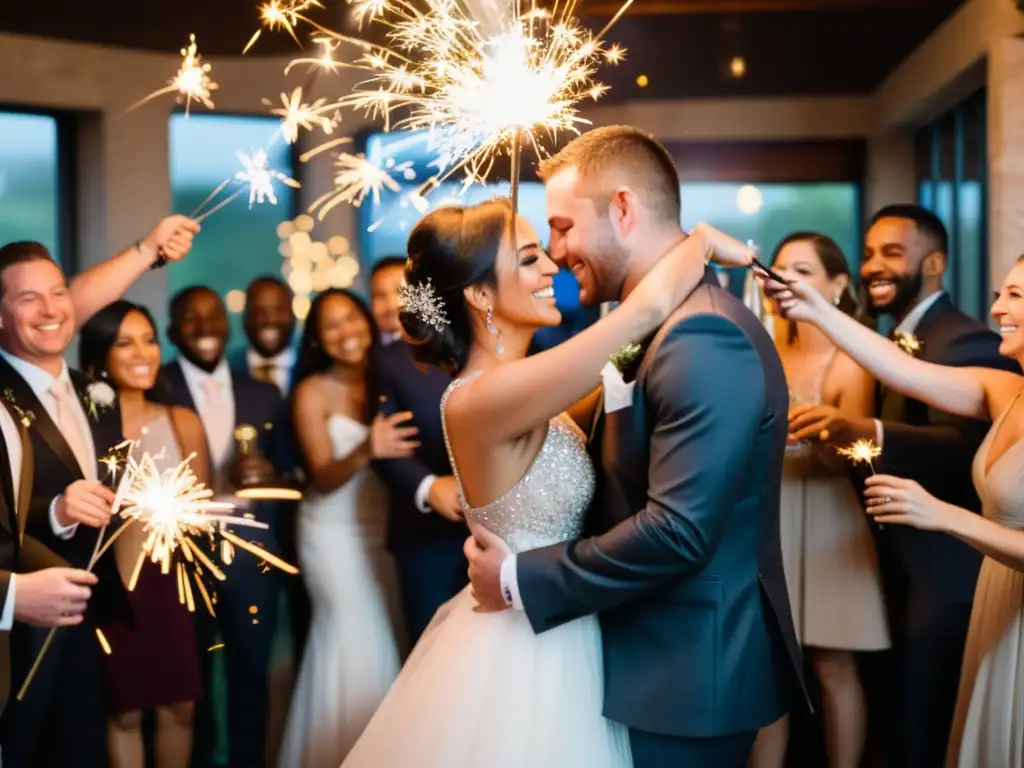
425, 525
269, 324
686, 570
44, 593
246, 604
72, 425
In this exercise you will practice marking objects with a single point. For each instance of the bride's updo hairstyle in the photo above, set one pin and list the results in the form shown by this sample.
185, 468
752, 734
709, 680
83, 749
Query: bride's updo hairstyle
452, 248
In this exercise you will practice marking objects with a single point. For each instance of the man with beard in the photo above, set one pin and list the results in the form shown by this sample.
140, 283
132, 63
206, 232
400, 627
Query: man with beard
929, 578
225, 399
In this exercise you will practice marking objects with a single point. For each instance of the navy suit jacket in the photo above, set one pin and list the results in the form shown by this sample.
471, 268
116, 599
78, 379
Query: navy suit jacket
686, 573
405, 387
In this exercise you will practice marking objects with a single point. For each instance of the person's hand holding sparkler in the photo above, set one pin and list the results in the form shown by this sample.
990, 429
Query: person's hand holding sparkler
904, 502
53, 597
171, 239
86, 502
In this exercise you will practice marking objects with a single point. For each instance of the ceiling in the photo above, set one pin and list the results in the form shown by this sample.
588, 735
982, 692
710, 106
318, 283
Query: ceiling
685, 48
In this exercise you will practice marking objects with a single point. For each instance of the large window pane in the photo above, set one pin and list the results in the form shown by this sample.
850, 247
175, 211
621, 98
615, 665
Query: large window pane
238, 243
29, 193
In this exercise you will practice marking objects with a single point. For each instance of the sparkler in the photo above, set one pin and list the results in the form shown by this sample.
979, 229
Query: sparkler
192, 81
357, 177
295, 114
481, 95
256, 177
173, 507
861, 452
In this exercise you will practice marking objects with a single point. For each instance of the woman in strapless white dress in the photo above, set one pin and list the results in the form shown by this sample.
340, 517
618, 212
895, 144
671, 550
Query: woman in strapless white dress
481, 689
355, 641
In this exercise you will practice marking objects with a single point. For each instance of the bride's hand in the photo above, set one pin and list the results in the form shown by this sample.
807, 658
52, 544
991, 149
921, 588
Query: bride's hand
724, 249
680, 270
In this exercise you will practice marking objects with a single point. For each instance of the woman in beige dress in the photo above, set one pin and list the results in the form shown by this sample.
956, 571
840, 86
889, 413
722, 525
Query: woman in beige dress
828, 550
988, 727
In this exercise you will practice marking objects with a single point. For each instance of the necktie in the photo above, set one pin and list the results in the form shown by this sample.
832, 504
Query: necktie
216, 421
64, 393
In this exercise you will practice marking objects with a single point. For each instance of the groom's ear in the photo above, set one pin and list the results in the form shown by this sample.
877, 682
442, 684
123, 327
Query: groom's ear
623, 211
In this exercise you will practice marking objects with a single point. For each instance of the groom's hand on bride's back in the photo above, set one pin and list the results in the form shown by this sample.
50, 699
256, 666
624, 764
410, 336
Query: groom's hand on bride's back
485, 575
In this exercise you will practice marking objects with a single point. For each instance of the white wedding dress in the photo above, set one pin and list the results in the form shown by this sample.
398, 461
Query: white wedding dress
481, 689
354, 649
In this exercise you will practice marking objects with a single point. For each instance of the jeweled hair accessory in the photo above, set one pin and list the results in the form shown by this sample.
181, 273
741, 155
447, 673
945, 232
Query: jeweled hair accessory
421, 300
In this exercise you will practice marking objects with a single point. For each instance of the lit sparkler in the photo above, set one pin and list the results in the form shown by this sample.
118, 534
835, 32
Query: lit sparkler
357, 177
861, 452
281, 14
480, 94
256, 177
295, 114
173, 508
192, 81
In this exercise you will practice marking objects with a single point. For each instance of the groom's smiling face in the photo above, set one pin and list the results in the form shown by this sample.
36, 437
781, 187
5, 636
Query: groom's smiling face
583, 239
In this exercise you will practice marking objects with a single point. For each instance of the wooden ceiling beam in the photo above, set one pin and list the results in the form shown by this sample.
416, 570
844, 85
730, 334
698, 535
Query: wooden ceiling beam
710, 7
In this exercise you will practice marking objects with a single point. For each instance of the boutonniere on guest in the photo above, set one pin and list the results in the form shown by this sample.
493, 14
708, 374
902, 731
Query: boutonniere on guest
909, 343
26, 417
98, 397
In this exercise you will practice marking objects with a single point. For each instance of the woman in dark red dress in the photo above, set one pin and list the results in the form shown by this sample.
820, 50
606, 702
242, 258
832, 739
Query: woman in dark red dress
153, 665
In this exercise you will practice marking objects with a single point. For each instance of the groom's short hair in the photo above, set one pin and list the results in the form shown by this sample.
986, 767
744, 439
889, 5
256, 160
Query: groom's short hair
620, 155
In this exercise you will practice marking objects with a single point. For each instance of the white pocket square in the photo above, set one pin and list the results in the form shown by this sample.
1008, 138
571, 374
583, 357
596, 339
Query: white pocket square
617, 393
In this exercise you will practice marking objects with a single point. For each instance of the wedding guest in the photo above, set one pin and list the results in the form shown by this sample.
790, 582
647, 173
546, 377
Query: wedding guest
355, 640
269, 324
832, 574
73, 423
988, 723
385, 281
928, 578
48, 595
426, 529
201, 380
156, 666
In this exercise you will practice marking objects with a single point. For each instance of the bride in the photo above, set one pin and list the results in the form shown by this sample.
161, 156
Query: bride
482, 688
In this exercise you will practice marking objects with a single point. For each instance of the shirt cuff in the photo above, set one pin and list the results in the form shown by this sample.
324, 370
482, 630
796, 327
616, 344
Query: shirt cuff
510, 583
879, 434
423, 494
60, 531
7, 617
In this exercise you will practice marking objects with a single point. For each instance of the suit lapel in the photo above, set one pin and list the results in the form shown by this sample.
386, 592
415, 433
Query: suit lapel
25, 487
42, 424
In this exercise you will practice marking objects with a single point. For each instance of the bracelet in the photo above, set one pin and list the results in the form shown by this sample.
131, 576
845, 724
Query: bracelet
161, 259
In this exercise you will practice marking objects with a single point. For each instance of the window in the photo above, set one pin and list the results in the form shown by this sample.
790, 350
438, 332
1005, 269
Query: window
765, 213
952, 181
237, 243
30, 206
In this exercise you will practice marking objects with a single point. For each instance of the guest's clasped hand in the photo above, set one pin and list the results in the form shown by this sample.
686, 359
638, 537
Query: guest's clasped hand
389, 440
904, 502
86, 502
171, 238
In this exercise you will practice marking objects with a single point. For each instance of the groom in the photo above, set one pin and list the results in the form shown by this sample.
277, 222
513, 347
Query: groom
686, 567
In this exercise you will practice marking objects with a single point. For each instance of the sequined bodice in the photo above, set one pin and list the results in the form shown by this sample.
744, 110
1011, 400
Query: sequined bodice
550, 501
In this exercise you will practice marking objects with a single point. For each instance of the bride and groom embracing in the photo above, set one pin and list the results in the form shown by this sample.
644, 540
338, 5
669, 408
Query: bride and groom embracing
629, 609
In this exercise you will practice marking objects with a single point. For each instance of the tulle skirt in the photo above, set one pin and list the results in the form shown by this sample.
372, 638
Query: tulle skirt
481, 689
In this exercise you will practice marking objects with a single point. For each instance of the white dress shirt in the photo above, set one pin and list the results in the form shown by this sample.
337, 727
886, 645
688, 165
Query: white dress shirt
280, 366
908, 325
391, 337
12, 439
195, 380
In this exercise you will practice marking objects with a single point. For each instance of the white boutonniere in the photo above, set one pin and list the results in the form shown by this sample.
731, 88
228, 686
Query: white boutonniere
618, 393
98, 397
909, 343
26, 417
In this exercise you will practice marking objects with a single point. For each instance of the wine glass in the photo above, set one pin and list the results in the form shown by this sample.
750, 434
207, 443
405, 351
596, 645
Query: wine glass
801, 396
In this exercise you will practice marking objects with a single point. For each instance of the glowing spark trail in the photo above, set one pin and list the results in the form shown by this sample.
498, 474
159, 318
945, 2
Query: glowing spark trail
192, 81
295, 114
256, 177
861, 452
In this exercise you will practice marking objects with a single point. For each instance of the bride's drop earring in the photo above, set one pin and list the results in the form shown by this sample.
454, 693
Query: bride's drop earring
493, 330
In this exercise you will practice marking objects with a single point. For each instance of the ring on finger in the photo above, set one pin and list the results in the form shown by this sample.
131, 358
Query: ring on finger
887, 500
824, 435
